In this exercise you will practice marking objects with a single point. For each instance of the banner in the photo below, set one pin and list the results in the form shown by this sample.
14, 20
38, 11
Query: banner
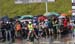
32, 1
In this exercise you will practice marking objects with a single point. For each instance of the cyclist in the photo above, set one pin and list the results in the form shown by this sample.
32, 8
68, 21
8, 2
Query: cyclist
31, 29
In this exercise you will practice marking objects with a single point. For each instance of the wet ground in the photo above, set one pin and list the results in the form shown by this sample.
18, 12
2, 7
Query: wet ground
68, 39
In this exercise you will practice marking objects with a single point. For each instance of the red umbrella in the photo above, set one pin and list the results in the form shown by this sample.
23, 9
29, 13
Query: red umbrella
42, 18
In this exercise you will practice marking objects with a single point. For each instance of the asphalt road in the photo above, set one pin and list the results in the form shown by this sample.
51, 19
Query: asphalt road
68, 39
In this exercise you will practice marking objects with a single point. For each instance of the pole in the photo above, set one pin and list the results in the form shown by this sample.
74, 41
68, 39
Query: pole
46, 6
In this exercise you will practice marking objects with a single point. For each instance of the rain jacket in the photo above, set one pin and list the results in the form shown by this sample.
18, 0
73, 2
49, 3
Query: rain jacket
30, 27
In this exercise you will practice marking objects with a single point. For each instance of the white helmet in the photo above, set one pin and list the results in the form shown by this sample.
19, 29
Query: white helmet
29, 22
7, 22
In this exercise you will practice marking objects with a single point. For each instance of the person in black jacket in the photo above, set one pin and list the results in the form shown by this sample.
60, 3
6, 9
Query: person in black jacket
12, 29
55, 22
3, 27
8, 30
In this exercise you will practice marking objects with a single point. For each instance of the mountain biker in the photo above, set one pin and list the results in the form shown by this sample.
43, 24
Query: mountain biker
31, 29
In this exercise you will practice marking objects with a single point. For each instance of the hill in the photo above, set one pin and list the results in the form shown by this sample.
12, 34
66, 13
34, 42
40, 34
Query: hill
8, 7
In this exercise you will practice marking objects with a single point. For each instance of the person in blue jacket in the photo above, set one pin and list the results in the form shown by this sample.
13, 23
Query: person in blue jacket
50, 26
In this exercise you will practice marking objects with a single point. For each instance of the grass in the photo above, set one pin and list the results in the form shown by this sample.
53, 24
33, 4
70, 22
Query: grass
8, 7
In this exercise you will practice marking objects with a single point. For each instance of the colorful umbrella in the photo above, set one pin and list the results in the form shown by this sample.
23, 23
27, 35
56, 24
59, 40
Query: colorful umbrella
51, 13
25, 17
5, 18
61, 17
63, 14
41, 18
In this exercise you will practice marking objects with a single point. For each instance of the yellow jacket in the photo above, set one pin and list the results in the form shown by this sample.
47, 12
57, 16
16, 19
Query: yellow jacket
30, 27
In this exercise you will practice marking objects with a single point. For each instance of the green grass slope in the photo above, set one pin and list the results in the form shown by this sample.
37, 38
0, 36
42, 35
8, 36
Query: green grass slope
8, 7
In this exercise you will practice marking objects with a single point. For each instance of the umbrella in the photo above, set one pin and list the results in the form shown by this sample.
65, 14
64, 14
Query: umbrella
41, 18
63, 14
51, 13
61, 17
5, 18
26, 17
47, 14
